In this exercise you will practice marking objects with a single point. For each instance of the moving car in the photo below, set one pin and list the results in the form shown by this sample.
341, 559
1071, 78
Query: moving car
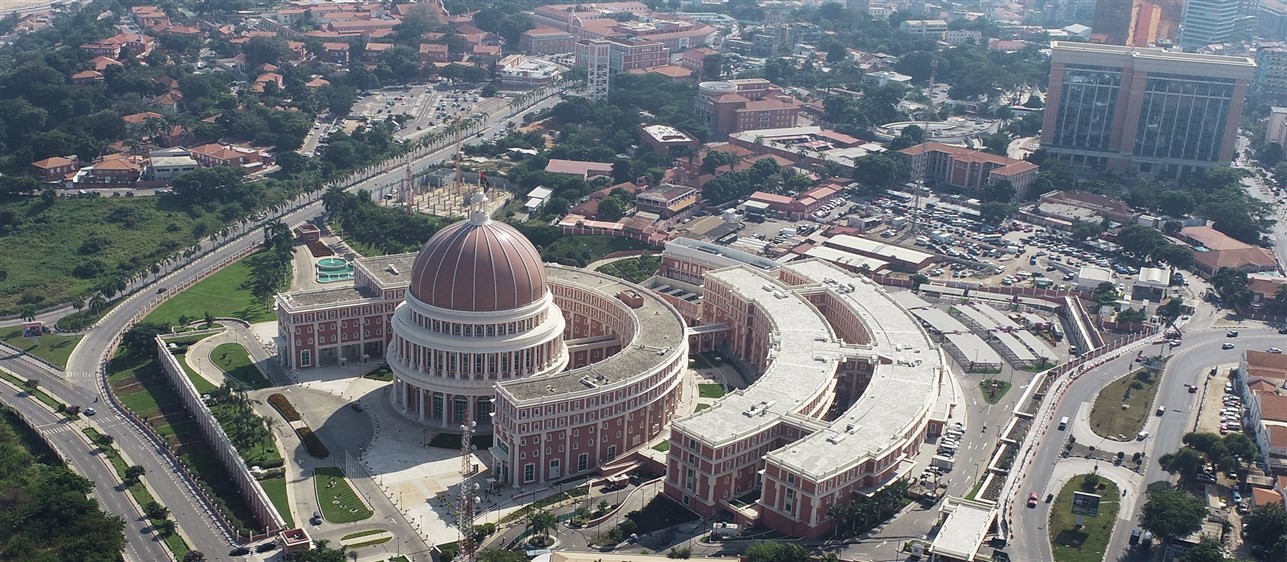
1032, 499
1231, 334
1274, 350
1227, 345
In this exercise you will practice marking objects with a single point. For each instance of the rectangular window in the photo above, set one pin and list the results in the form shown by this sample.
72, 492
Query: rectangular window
529, 473
582, 462
612, 452
306, 358
790, 501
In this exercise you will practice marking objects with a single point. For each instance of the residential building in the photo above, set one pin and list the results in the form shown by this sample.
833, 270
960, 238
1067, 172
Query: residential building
666, 200
668, 140
86, 77
166, 168
214, 154
54, 168
1262, 381
521, 72
431, 53
581, 168
335, 53
968, 169
1214, 250
546, 41
738, 105
1271, 72
135, 44
1143, 109
107, 173
931, 28
1276, 129
1271, 21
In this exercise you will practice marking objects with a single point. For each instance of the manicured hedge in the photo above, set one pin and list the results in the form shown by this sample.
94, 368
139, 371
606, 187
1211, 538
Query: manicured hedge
284, 407
314, 445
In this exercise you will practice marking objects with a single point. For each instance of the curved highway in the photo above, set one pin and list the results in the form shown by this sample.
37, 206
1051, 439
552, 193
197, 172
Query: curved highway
1189, 364
80, 383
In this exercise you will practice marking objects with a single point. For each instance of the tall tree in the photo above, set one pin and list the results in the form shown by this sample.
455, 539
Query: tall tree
1170, 512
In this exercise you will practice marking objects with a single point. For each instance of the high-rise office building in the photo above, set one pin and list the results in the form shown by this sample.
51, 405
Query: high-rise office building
1143, 109
1137, 23
1216, 21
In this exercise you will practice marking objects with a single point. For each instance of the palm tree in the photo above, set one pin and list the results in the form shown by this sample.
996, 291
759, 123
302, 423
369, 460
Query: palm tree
542, 521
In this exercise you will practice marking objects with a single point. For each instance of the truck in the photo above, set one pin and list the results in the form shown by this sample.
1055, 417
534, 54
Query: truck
725, 530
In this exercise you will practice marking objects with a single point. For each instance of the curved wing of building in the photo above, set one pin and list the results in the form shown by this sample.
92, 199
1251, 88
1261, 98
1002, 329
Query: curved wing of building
849, 386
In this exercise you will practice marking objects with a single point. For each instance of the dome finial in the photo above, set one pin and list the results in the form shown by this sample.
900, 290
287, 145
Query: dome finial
478, 209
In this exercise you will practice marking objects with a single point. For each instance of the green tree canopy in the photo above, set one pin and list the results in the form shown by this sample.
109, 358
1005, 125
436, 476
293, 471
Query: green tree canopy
1171, 513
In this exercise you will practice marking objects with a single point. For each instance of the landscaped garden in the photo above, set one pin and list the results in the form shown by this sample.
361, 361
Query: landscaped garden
339, 502
1087, 542
635, 270
54, 348
580, 250
710, 390
1122, 407
138, 382
993, 390
234, 361
275, 488
224, 294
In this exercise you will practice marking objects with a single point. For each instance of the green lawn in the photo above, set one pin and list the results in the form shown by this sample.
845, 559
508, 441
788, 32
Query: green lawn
52, 348
636, 270
993, 390
1124, 405
225, 294
125, 234
236, 363
361, 534
580, 250
701, 407
663, 446
383, 373
1088, 542
141, 386
275, 488
340, 504
707, 360
710, 390
202, 385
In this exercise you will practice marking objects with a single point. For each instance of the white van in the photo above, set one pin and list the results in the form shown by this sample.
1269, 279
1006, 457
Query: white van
1063, 423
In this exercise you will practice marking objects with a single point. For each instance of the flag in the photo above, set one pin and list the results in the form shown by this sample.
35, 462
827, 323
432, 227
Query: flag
482, 180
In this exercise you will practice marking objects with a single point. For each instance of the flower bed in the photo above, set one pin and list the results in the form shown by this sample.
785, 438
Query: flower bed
314, 445
284, 407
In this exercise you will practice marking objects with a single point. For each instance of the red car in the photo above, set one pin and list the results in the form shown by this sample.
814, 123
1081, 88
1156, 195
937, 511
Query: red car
1032, 499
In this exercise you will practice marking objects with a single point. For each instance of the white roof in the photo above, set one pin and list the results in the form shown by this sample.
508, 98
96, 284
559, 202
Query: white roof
1153, 277
846, 258
941, 321
803, 360
909, 300
1036, 344
854, 243
1092, 273
964, 529
974, 349
1016, 347
540, 192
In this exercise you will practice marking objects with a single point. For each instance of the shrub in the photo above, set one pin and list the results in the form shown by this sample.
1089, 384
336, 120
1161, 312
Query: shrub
284, 407
312, 443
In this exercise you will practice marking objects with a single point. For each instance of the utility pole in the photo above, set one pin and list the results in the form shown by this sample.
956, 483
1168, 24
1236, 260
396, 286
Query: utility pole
919, 162
467, 500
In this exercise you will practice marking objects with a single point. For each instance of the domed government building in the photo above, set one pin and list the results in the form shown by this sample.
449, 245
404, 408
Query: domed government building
573, 372
567, 368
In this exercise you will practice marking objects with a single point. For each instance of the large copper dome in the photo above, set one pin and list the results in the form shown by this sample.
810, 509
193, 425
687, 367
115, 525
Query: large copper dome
478, 265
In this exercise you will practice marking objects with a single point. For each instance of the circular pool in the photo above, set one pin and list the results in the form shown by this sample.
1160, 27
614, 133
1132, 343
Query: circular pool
333, 265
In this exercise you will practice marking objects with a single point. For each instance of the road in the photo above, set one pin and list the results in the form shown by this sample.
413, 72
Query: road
71, 444
80, 383
1189, 364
